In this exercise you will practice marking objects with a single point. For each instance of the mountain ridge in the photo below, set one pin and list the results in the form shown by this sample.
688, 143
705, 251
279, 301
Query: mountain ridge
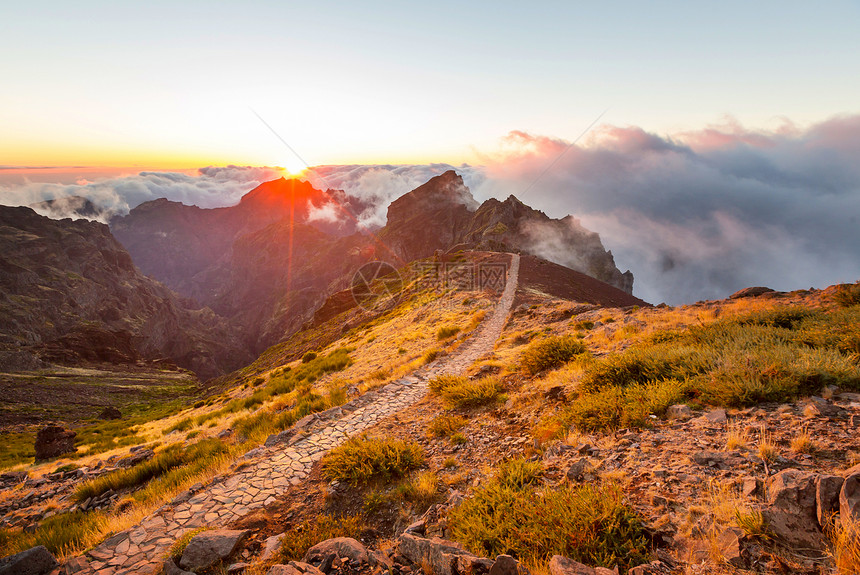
71, 293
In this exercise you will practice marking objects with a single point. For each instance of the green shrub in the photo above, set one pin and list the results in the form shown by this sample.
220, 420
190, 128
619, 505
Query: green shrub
617, 407
785, 317
588, 523
517, 474
456, 391
309, 357
447, 331
445, 425
550, 353
360, 459
421, 489
642, 365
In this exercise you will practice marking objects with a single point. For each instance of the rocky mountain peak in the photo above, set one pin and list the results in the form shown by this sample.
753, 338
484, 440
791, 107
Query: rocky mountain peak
441, 192
281, 194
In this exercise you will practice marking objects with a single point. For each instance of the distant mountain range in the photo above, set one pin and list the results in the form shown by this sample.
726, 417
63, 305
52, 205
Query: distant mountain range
242, 277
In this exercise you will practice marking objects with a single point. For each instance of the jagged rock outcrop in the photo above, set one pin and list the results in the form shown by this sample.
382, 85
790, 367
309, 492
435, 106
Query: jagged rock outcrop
268, 263
189, 248
70, 294
442, 214
264, 264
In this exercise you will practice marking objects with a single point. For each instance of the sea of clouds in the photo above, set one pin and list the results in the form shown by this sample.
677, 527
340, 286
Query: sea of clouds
694, 215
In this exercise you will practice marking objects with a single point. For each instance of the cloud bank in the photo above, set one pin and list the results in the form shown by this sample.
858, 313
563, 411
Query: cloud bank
701, 214
211, 187
694, 215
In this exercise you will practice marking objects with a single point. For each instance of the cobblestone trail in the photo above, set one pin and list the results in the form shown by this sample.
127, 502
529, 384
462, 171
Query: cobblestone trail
269, 471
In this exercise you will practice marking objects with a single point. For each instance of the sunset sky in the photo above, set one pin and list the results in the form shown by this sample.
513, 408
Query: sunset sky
170, 85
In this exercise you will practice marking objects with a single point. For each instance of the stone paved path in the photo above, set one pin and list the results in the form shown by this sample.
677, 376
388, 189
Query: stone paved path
270, 471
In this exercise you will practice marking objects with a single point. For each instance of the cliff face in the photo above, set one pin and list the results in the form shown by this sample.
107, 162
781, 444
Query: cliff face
69, 293
430, 217
442, 214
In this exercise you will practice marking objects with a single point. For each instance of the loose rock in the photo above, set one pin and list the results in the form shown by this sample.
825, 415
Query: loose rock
34, 561
208, 547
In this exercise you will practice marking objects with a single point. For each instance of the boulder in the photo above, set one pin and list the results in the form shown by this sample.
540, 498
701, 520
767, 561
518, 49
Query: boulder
338, 547
729, 543
827, 489
849, 500
442, 556
507, 565
750, 292
34, 561
170, 568
209, 547
715, 416
471, 565
76, 565
110, 412
294, 568
53, 441
710, 459
819, 406
791, 511
653, 568
13, 478
559, 565
270, 545
577, 469
135, 457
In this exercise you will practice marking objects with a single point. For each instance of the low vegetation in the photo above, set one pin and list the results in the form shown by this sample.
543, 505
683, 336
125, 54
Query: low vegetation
847, 295
60, 534
447, 331
845, 546
299, 539
550, 353
457, 391
445, 425
776, 355
361, 459
168, 460
513, 514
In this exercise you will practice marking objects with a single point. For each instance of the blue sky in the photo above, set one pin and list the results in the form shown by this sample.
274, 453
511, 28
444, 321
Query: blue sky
167, 84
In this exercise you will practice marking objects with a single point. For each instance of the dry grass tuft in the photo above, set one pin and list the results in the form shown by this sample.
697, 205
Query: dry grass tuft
457, 391
802, 442
767, 449
736, 437
845, 546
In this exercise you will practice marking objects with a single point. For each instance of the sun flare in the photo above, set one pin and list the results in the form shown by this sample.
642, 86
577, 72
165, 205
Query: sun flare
293, 167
